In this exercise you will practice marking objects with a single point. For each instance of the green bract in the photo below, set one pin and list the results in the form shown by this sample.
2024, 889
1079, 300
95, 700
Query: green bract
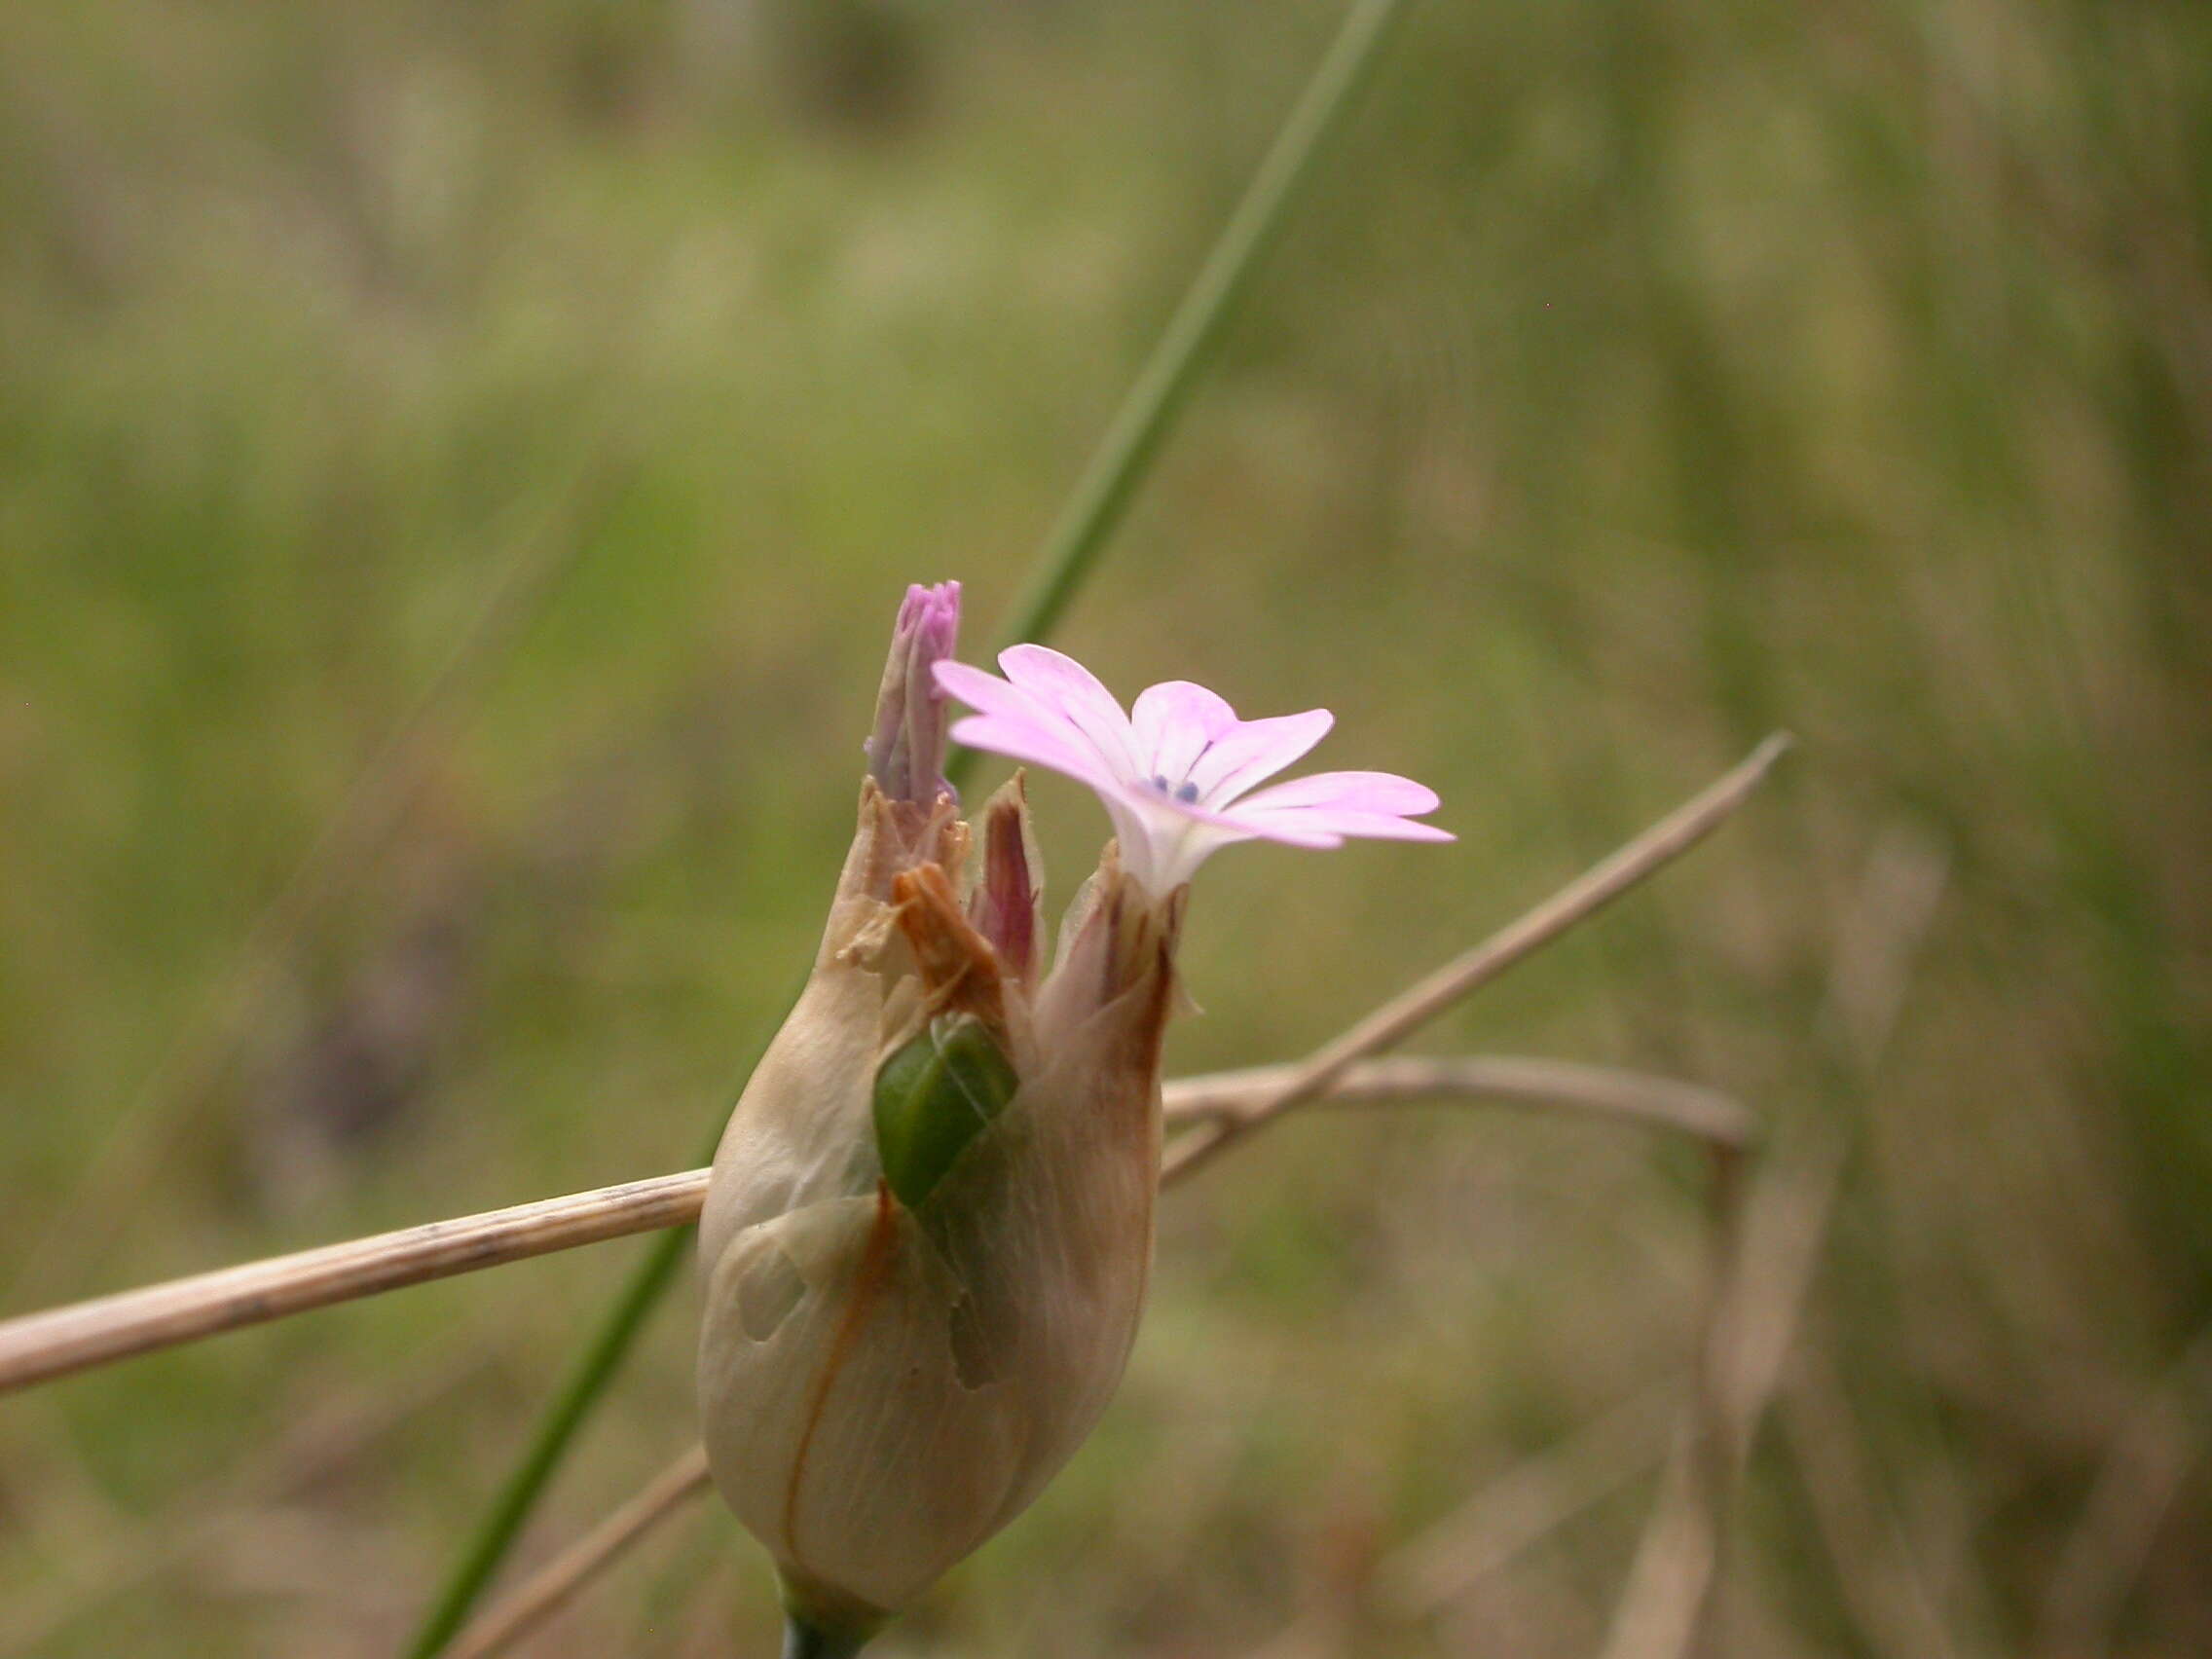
933, 1097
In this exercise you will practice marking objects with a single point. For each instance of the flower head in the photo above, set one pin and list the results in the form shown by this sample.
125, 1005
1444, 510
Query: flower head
1178, 773
928, 1234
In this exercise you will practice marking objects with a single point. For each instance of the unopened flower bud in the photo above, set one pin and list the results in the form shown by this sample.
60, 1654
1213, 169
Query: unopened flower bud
906, 753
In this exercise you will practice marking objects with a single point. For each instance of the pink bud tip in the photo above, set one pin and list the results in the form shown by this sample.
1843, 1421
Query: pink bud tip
905, 754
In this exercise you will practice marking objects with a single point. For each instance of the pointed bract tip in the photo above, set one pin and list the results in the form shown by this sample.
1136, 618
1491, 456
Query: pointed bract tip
1004, 903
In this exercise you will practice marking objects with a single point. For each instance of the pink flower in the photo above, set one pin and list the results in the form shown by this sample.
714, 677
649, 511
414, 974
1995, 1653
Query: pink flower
1177, 773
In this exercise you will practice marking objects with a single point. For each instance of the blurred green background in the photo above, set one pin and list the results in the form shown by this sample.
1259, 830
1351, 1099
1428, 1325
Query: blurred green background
457, 468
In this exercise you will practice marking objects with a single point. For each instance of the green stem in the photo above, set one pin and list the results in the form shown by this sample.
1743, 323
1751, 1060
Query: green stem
580, 1390
1065, 561
804, 1641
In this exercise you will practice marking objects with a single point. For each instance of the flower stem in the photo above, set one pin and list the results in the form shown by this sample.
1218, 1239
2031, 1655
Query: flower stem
804, 1641
1066, 559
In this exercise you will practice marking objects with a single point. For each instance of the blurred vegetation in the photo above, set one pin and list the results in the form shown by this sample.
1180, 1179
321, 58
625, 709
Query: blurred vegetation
1642, 377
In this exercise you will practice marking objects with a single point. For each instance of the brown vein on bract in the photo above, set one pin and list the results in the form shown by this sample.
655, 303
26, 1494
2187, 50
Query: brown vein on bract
1153, 1032
875, 1262
958, 967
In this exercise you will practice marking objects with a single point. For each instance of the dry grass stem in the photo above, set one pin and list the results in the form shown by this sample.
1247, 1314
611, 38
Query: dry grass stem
563, 1578
1889, 1564
2143, 1475
1766, 1239
1662, 1610
1603, 1091
39, 1346
1886, 1591
1767, 1243
1588, 893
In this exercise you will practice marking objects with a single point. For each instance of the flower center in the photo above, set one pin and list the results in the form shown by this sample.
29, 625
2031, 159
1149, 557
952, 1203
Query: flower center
1185, 791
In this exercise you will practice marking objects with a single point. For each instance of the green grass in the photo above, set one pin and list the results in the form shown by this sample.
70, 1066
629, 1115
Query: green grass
1637, 379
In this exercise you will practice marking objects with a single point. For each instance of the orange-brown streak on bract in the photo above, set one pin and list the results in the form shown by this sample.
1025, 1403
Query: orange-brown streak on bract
957, 963
875, 1262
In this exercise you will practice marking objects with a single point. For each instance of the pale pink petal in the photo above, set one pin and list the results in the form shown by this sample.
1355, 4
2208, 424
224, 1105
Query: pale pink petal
1381, 792
1289, 829
1039, 744
1176, 816
1324, 820
1067, 684
1175, 723
1256, 751
1014, 723
986, 694
1173, 779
